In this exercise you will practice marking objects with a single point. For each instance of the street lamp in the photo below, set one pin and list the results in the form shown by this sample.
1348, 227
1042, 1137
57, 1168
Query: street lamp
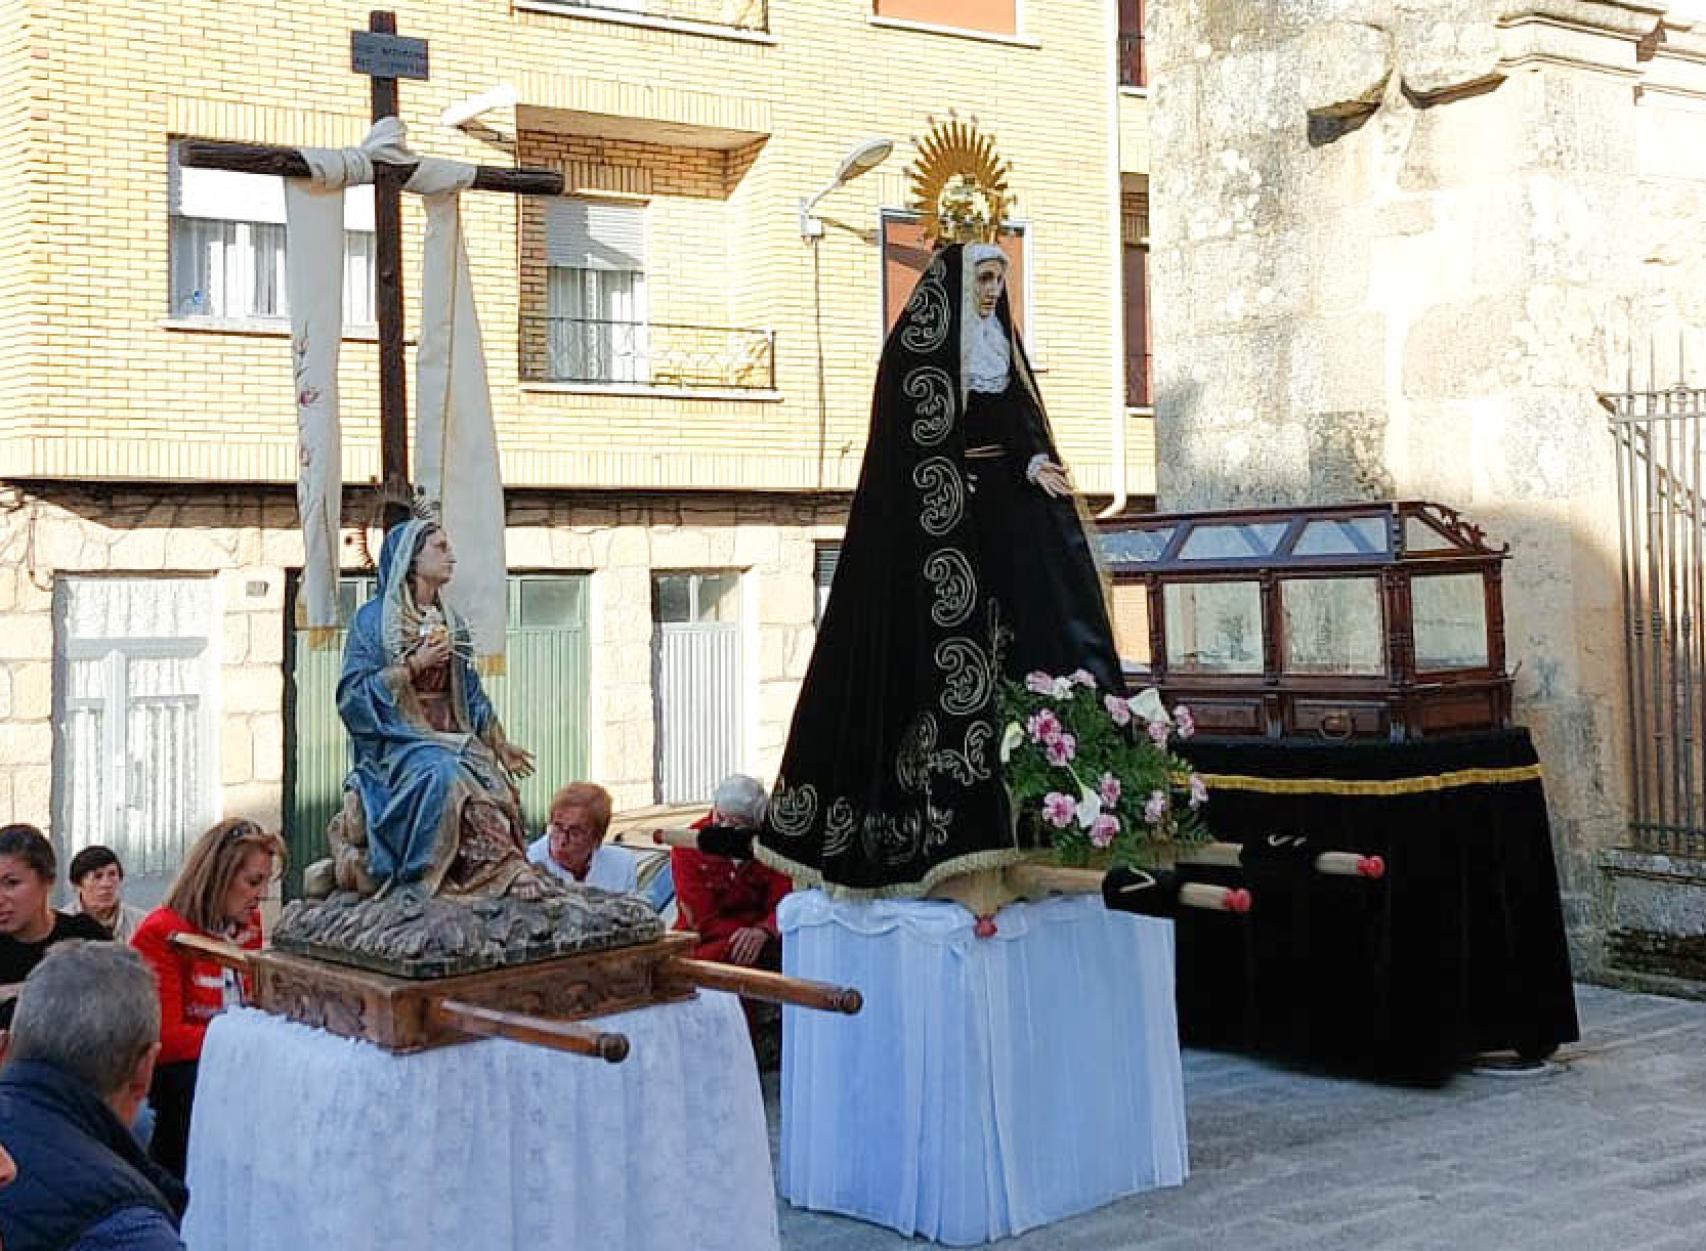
861, 160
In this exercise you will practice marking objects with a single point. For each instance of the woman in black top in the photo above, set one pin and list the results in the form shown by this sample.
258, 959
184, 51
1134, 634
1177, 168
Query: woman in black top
28, 923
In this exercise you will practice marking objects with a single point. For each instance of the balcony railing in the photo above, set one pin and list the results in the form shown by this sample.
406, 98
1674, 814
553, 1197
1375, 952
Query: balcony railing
647, 354
747, 15
1133, 72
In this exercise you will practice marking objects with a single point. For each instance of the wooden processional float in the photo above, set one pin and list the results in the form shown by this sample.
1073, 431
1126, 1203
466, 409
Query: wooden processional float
1146, 893
541, 1002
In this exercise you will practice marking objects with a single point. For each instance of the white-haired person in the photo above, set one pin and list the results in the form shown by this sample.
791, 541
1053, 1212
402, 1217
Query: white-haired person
78, 1063
730, 904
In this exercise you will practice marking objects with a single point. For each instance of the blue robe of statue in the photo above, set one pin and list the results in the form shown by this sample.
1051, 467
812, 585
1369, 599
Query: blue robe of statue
439, 808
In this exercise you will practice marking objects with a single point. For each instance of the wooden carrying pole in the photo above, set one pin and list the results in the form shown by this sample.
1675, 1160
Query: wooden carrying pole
763, 984
469, 1018
1053, 879
228, 955
1225, 855
1330, 863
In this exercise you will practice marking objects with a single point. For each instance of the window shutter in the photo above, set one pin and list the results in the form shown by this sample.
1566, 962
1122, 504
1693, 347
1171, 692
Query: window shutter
223, 194
828, 556
226, 195
995, 16
595, 234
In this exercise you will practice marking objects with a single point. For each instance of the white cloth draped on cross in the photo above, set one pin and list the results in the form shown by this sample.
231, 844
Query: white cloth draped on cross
456, 451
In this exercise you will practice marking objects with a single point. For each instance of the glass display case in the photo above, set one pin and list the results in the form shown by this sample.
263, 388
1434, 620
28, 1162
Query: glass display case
1376, 620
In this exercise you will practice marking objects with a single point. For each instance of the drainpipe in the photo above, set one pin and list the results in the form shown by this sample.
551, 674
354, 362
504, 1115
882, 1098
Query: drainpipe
1117, 422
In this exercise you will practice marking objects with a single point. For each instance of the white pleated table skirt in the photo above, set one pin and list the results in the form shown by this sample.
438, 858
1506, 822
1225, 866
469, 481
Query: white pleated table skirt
304, 1140
990, 1086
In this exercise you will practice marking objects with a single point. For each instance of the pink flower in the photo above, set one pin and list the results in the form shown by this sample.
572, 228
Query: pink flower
1199, 790
1156, 808
1061, 749
1043, 727
1058, 809
1082, 677
1039, 683
1109, 789
1158, 732
1118, 709
1103, 830
1184, 720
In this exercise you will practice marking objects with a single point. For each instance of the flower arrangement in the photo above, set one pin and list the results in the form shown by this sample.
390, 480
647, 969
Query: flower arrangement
1095, 771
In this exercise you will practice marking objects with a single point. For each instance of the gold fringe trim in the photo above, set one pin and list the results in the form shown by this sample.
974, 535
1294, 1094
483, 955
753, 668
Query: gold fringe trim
1396, 786
492, 666
806, 877
321, 638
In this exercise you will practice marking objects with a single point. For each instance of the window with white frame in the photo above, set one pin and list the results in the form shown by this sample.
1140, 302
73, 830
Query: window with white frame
595, 294
134, 754
227, 247
828, 556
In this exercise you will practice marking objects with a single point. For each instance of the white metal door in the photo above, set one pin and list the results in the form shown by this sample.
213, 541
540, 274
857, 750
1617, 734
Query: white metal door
696, 683
133, 765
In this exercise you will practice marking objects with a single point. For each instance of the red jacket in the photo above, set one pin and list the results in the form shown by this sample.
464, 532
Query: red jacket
191, 990
715, 896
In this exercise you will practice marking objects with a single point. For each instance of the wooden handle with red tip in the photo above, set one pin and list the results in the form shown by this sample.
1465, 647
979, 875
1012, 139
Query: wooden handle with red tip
1215, 898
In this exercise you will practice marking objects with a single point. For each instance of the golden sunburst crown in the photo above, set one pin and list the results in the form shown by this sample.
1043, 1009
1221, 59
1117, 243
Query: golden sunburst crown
959, 184
412, 498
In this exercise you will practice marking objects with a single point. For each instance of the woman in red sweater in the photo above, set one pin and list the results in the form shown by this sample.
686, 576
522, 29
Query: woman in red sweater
217, 894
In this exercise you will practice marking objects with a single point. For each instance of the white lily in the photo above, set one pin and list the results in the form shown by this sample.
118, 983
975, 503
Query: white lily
1011, 737
1147, 704
1089, 808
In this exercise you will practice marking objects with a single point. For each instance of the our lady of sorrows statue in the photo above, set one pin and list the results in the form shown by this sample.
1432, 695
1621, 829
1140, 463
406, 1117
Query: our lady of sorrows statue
965, 562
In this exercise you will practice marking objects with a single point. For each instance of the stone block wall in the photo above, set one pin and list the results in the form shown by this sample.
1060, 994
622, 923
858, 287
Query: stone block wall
247, 543
1398, 250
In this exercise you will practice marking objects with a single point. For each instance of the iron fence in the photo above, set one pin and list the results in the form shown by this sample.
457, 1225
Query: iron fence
653, 354
1661, 450
748, 15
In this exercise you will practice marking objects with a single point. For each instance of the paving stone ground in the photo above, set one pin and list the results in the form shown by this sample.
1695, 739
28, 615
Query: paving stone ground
1606, 1152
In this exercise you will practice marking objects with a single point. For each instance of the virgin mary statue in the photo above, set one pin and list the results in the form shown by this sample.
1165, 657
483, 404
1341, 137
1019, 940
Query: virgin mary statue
432, 765
965, 562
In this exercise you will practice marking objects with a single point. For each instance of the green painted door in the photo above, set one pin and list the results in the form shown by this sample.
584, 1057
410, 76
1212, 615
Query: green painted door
542, 700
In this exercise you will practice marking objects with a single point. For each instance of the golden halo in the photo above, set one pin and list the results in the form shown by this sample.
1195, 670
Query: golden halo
959, 184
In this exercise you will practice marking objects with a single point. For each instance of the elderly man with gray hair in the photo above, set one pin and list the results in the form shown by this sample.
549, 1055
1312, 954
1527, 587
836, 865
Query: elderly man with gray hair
77, 1064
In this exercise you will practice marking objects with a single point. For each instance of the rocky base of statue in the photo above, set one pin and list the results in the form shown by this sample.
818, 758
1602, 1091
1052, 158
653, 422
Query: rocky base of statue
408, 933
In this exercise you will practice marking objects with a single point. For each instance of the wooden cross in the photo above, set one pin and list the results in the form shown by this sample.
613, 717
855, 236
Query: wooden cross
385, 57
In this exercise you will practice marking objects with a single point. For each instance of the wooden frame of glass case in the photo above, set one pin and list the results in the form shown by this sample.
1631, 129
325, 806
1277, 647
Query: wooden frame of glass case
1355, 621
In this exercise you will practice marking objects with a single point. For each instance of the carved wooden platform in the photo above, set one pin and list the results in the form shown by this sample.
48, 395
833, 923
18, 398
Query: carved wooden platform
409, 1014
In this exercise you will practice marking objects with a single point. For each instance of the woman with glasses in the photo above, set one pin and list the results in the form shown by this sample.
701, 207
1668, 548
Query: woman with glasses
217, 894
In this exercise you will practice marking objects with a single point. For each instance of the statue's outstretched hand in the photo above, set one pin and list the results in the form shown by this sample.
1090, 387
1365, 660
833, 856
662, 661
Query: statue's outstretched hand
1053, 479
518, 760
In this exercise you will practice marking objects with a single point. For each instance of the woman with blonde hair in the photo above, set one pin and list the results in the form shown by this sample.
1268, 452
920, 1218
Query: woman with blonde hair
217, 894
